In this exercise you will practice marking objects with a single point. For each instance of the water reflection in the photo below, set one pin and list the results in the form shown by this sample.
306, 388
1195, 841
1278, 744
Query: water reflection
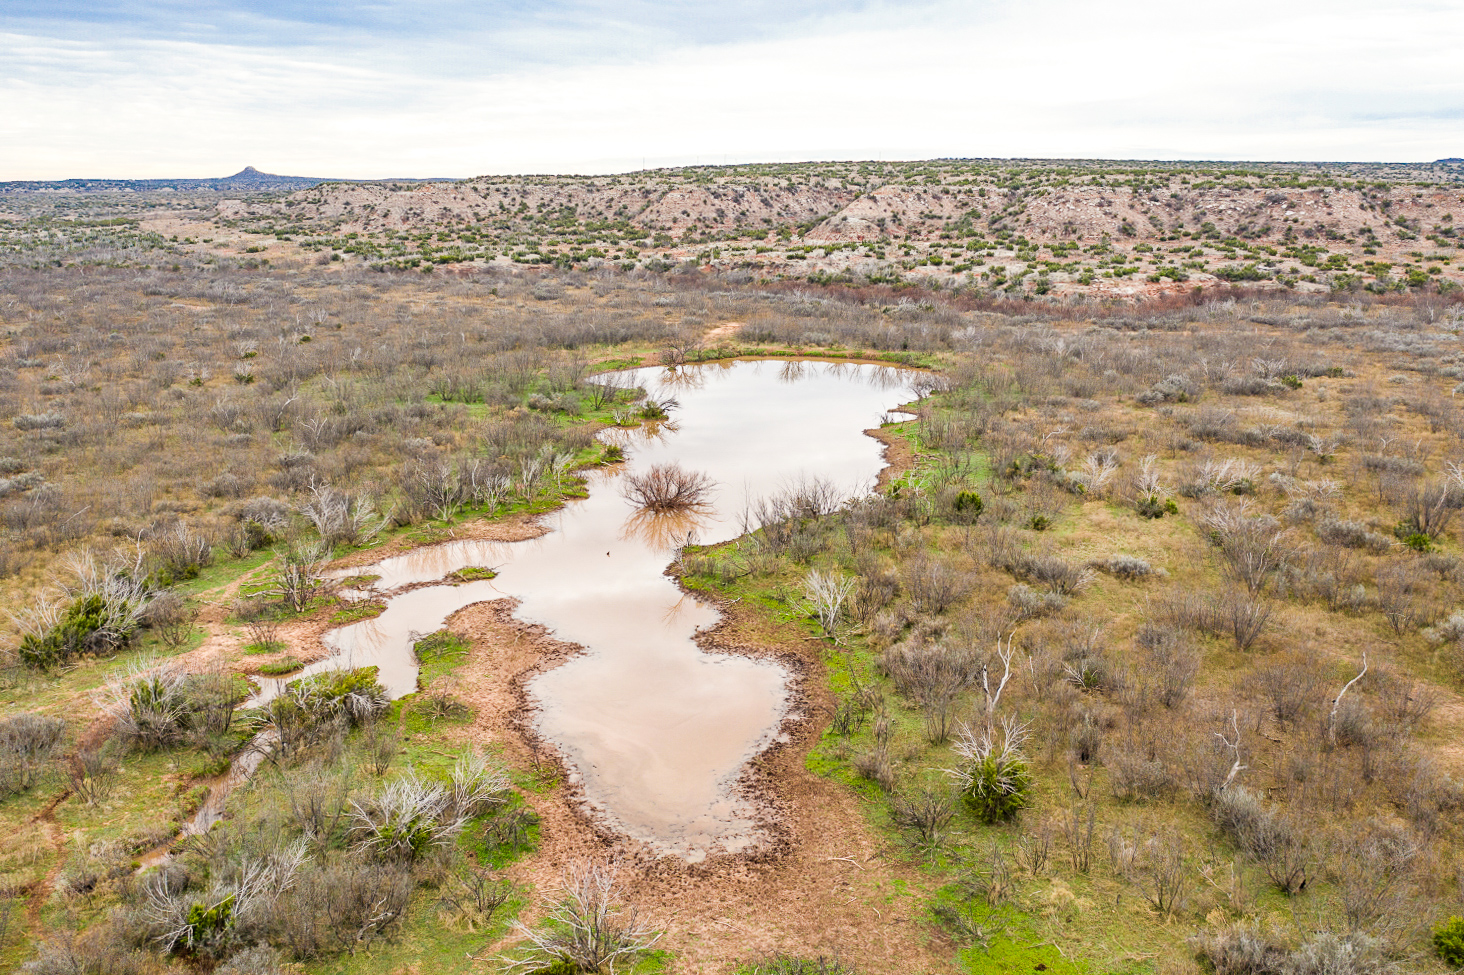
655, 731
666, 531
431, 562
677, 379
793, 371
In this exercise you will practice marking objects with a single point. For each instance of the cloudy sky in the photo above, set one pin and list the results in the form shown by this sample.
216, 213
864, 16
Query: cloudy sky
130, 88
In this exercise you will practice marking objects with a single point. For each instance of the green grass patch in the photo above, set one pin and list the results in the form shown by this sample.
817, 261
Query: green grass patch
616, 365
364, 609
999, 938
423, 713
473, 573
429, 941
285, 665
442, 647
508, 833
224, 571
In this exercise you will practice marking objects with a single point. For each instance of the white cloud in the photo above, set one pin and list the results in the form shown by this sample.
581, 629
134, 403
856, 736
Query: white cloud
1342, 80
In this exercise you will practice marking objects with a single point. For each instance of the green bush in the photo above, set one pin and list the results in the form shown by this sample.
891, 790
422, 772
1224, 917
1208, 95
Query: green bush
1448, 940
653, 410
1153, 506
968, 505
342, 691
995, 778
1415, 540
206, 926
81, 629
999, 787
311, 705
102, 611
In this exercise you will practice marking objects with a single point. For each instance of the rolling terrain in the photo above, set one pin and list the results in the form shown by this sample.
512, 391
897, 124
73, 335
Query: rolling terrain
995, 229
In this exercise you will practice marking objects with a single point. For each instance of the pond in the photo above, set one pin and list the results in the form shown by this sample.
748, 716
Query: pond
654, 731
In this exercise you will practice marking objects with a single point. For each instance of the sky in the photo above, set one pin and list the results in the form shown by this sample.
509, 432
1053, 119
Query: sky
399, 88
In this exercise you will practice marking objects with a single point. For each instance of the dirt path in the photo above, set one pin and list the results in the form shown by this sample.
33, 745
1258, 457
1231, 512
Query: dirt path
724, 331
57, 838
828, 886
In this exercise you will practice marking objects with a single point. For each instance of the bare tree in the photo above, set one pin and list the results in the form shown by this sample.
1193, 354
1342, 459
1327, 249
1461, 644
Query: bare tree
1078, 829
993, 697
1253, 545
432, 483
827, 593
605, 389
92, 772
341, 518
590, 930
1153, 863
667, 487
27, 744
302, 573
1233, 746
1337, 702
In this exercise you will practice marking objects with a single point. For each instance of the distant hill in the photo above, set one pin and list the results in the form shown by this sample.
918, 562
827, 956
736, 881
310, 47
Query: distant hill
247, 180
1110, 229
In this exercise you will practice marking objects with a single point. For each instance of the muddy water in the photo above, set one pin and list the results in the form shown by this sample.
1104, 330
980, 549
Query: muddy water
655, 731
386, 640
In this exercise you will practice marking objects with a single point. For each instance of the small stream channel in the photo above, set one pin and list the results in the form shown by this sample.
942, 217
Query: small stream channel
655, 731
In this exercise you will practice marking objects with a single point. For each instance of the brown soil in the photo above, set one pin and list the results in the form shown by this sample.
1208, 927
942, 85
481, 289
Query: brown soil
828, 884
899, 456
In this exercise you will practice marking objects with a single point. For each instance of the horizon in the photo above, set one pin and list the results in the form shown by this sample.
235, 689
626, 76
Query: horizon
996, 160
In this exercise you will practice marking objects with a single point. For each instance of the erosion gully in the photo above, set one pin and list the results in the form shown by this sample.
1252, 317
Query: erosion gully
655, 731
